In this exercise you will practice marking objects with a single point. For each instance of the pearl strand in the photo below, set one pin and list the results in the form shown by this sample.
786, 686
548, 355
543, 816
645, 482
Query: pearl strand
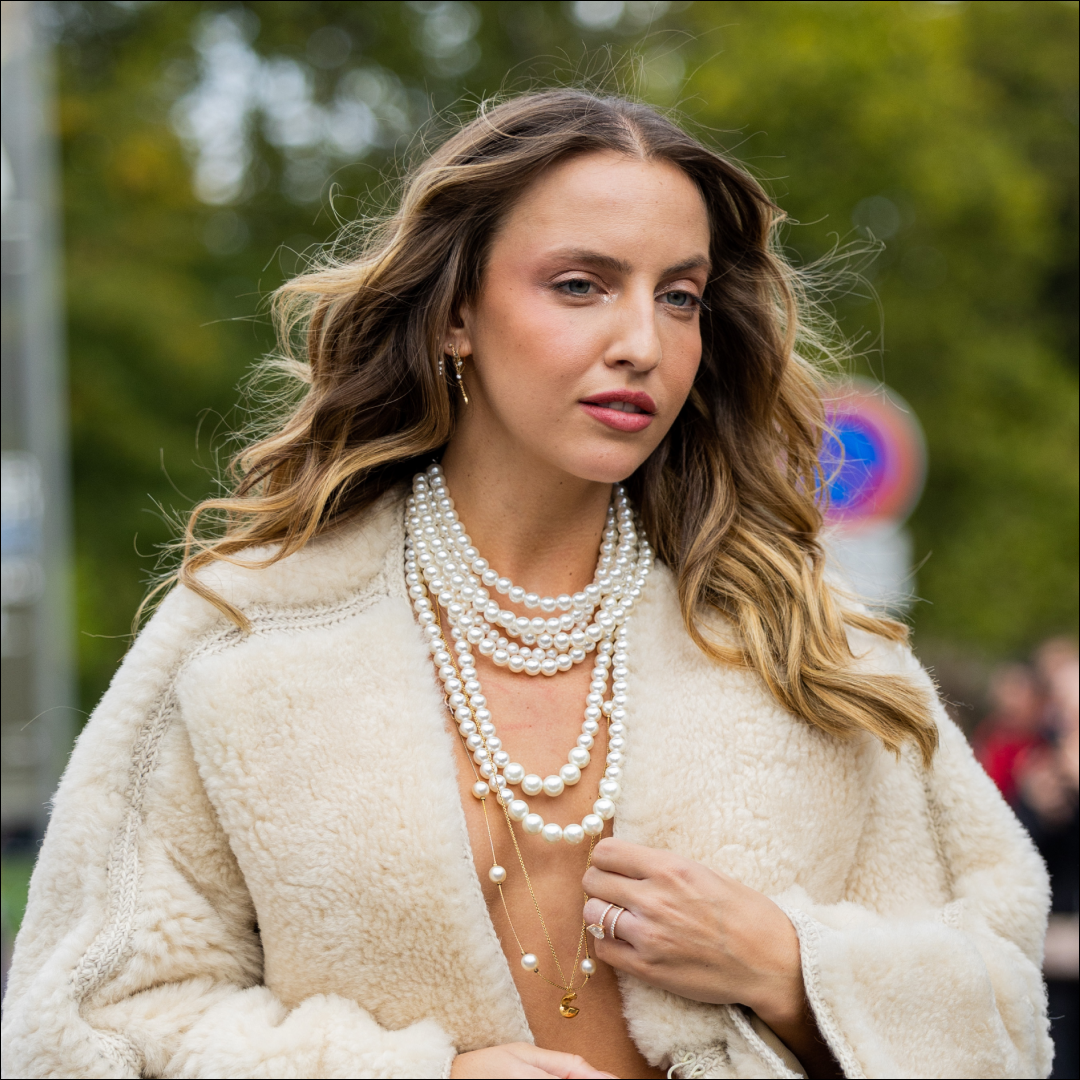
440, 555
459, 578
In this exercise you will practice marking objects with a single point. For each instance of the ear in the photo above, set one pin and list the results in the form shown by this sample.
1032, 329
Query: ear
458, 333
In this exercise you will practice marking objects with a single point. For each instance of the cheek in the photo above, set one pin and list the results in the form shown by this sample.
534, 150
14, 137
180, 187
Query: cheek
682, 357
532, 352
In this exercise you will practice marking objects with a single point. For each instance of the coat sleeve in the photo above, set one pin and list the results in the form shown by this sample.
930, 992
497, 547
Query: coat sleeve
139, 955
899, 990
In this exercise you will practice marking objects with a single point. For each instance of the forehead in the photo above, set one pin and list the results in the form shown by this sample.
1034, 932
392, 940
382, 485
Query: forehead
609, 201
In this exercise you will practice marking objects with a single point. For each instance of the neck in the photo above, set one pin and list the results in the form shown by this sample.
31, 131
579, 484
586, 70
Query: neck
539, 526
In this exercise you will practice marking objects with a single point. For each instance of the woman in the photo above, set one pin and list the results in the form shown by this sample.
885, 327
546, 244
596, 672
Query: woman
324, 822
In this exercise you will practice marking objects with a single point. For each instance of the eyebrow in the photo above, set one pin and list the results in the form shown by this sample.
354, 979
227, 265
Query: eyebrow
620, 266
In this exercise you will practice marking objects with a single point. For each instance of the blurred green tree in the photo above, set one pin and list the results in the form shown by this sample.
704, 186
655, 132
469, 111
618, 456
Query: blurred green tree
208, 146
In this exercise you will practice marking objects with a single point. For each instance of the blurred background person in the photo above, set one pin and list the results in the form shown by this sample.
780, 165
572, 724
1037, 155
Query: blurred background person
1046, 775
1015, 725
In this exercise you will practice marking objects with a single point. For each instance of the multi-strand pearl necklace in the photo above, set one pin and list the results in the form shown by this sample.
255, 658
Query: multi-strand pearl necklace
441, 560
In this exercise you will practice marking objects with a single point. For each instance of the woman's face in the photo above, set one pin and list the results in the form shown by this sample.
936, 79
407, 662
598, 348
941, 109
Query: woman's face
584, 340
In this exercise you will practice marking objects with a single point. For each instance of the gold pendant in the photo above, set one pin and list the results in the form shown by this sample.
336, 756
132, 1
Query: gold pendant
566, 1006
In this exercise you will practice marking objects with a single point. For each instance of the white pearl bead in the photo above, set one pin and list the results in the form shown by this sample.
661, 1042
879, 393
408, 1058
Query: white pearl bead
529, 962
570, 774
548, 666
480, 789
604, 808
552, 833
514, 773
554, 785
573, 834
588, 966
497, 874
532, 823
613, 772
609, 789
518, 809
593, 824
532, 784
579, 755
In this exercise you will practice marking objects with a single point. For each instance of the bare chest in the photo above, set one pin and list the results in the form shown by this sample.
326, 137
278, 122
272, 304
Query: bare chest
539, 907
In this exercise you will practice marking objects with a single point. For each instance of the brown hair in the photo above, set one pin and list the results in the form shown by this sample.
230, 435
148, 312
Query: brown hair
728, 498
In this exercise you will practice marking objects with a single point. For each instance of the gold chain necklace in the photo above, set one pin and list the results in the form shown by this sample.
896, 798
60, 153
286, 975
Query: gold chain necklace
497, 875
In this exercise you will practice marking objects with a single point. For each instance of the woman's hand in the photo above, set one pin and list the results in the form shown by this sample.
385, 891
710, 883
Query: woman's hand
515, 1060
704, 936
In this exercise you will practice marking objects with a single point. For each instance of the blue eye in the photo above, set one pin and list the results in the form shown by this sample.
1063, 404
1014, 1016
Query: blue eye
680, 299
577, 286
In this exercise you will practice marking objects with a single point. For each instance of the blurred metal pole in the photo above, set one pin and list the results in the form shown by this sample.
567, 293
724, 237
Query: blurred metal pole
38, 692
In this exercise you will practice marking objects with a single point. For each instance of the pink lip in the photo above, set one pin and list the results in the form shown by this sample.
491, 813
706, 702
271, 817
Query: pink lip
595, 406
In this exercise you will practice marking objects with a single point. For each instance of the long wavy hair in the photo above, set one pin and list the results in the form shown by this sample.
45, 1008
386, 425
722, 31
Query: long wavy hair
730, 497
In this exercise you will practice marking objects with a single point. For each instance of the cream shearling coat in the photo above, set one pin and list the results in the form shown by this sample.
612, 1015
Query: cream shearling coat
258, 865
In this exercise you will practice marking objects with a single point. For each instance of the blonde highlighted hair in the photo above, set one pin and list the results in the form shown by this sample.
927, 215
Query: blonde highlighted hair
728, 498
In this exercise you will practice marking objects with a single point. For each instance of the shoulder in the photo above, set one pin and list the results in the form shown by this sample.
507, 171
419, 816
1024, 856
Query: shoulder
879, 655
349, 558
358, 557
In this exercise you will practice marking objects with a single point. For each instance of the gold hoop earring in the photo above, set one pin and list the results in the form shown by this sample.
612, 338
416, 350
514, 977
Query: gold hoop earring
459, 366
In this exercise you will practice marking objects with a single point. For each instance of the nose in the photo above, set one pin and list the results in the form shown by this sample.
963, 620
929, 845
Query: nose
635, 342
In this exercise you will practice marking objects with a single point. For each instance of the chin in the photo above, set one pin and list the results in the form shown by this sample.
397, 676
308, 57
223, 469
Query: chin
604, 467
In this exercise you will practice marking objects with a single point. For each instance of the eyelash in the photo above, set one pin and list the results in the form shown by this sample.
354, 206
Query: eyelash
695, 302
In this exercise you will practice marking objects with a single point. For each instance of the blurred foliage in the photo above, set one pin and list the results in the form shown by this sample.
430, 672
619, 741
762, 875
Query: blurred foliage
946, 130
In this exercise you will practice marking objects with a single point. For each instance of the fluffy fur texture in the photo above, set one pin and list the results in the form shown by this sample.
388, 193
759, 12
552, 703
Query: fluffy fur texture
258, 864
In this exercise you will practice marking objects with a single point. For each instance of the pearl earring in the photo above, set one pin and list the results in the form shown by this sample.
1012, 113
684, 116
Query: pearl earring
459, 366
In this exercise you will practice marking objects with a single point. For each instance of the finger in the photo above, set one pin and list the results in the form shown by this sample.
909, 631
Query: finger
612, 888
630, 860
628, 926
555, 1062
620, 955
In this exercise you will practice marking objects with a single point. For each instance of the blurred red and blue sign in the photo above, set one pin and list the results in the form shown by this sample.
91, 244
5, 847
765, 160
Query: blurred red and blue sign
873, 456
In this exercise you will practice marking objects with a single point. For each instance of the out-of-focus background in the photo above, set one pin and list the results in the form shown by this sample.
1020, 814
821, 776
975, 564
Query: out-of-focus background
167, 164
